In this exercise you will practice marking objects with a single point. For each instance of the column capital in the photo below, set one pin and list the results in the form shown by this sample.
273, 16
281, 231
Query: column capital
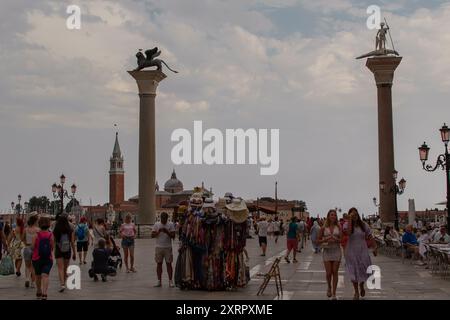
148, 80
383, 68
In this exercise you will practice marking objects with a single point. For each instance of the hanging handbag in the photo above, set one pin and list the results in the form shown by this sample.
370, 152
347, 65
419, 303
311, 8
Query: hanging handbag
6, 266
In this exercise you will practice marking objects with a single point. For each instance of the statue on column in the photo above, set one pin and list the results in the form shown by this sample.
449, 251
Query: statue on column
380, 44
149, 60
380, 41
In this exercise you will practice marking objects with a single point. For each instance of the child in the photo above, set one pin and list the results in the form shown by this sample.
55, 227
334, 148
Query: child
42, 259
100, 264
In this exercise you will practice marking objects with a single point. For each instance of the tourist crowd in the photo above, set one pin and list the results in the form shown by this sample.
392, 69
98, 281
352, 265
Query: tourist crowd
37, 245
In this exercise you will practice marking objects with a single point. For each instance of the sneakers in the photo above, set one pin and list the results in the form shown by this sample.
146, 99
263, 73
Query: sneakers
158, 284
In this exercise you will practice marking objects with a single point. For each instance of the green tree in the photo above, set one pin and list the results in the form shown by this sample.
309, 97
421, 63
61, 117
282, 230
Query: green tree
38, 203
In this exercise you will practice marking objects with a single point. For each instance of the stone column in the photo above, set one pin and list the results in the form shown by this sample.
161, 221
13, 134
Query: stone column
383, 69
147, 82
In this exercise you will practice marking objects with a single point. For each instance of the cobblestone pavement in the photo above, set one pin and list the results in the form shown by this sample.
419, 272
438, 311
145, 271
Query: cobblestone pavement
303, 280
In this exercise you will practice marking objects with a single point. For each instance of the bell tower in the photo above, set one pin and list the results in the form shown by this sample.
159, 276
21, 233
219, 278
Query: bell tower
116, 175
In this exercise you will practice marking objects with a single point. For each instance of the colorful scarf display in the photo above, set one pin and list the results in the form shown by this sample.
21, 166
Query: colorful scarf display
211, 253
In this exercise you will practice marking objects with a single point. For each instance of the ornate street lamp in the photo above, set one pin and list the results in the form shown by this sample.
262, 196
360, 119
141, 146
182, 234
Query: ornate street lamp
443, 162
396, 189
59, 193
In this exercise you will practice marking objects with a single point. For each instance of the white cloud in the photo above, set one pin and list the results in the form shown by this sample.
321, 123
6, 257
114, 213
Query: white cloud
234, 71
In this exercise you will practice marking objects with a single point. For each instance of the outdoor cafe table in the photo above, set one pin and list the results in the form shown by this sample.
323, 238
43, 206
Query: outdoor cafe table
442, 247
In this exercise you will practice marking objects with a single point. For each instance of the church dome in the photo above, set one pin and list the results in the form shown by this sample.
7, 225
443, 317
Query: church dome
173, 185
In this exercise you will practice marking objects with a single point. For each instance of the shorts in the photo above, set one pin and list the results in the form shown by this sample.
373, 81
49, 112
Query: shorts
262, 240
127, 243
292, 244
63, 255
27, 254
163, 254
82, 246
42, 266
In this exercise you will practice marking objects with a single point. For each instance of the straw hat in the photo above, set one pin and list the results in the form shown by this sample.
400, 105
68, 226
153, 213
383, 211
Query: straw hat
237, 211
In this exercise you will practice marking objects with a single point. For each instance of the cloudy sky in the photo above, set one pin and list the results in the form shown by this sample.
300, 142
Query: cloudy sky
282, 64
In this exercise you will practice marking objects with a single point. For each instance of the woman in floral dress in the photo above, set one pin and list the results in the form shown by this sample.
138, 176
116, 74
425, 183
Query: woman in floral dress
16, 245
357, 258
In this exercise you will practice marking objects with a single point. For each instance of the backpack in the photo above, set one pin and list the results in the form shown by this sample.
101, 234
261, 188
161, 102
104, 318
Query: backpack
45, 249
64, 243
81, 232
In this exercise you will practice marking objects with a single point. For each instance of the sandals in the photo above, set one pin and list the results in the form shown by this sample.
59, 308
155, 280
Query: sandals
362, 291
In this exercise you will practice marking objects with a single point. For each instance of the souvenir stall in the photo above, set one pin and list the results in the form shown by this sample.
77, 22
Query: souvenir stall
212, 242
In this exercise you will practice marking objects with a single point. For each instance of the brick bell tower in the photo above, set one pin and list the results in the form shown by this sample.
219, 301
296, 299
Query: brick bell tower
116, 175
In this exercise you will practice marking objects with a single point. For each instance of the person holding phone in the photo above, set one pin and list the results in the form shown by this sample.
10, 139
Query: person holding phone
164, 232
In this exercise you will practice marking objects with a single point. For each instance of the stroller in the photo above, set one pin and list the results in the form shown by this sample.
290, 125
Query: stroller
115, 259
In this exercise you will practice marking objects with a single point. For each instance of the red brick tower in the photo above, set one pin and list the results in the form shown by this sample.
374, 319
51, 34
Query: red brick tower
116, 176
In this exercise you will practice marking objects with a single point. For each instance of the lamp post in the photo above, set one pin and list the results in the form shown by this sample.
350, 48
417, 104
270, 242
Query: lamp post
59, 193
443, 162
396, 189
17, 208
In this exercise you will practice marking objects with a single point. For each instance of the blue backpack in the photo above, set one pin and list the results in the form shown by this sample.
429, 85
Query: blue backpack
45, 249
81, 232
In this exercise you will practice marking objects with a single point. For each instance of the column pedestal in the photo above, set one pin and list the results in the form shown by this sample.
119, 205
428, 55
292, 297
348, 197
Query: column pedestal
383, 69
147, 82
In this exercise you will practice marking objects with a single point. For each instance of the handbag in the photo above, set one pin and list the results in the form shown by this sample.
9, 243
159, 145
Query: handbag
6, 266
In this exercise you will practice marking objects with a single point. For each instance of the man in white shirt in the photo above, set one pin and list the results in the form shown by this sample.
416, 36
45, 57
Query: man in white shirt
442, 236
164, 232
262, 225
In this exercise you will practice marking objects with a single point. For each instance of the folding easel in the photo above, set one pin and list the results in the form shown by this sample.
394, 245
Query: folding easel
274, 272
